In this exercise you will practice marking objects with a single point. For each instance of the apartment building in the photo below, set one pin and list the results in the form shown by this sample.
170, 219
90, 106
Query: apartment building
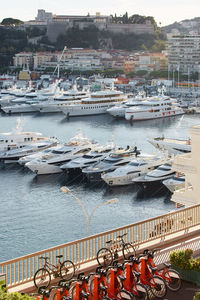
23, 59
189, 164
184, 53
151, 62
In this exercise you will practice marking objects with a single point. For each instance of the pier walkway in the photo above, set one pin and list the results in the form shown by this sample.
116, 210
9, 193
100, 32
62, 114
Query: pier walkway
174, 230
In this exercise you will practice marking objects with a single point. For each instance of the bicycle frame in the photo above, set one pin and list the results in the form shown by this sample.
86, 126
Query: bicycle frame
81, 286
162, 273
146, 275
113, 287
51, 267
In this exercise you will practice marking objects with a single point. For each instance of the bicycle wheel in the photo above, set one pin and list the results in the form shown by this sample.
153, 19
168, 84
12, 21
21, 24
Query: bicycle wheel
140, 291
67, 270
104, 257
158, 287
128, 250
42, 277
123, 294
173, 280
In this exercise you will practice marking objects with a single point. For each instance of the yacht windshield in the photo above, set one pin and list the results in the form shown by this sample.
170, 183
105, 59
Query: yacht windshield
164, 168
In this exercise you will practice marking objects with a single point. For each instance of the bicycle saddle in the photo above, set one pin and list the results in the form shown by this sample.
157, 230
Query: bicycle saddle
67, 298
122, 278
153, 269
85, 294
64, 283
103, 287
42, 290
167, 265
108, 242
59, 256
137, 274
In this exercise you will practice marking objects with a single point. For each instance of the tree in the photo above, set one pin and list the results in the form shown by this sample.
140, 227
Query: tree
11, 21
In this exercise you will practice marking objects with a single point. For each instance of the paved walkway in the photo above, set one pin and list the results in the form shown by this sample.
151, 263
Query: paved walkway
187, 292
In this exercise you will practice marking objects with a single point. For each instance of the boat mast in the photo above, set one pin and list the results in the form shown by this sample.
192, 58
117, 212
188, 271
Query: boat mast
58, 64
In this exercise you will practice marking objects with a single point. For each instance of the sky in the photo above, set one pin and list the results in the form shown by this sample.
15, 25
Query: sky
164, 12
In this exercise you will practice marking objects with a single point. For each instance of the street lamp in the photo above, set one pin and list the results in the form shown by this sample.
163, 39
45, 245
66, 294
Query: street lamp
88, 217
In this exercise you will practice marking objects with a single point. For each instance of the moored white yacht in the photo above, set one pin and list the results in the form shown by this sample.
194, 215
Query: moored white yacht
50, 163
175, 183
18, 139
171, 145
153, 108
156, 176
57, 103
96, 104
13, 155
115, 159
93, 156
27, 158
135, 168
118, 111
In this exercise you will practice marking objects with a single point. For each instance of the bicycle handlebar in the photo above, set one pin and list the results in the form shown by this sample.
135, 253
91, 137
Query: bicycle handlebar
121, 236
43, 257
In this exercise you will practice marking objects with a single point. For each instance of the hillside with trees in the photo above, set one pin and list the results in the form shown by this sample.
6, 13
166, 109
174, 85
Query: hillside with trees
15, 38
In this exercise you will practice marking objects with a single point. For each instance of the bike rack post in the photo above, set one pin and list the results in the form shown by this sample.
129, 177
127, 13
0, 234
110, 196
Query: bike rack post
78, 290
112, 286
128, 282
96, 288
58, 295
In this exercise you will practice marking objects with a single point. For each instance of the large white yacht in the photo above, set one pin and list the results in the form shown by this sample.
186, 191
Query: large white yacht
153, 108
13, 155
171, 145
137, 167
50, 163
96, 104
57, 103
175, 183
114, 160
118, 111
93, 156
155, 177
17, 139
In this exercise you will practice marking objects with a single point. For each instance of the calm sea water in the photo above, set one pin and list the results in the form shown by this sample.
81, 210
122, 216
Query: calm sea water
35, 214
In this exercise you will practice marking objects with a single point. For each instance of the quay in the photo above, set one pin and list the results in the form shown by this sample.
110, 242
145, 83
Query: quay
178, 229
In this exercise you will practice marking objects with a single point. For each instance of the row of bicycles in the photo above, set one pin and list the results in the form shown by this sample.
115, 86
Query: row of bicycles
134, 278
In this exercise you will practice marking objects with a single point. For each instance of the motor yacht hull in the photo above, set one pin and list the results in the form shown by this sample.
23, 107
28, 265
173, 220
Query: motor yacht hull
173, 185
43, 168
151, 114
122, 180
23, 108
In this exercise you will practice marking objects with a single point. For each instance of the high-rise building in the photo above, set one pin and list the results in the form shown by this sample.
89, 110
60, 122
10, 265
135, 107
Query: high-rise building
184, 54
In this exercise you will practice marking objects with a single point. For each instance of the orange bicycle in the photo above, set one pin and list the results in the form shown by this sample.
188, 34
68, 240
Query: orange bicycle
171, 277
65, 270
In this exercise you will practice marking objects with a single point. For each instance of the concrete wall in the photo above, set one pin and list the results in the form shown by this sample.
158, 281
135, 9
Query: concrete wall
55, 29
131, 28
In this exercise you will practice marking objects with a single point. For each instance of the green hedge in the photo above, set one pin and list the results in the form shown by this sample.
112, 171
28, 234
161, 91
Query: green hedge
184, 260
14, 296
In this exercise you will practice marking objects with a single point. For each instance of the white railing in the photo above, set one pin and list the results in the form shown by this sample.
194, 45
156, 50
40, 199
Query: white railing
21, 270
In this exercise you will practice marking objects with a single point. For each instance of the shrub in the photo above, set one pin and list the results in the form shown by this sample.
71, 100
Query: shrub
14, 296
197, 296
183, 259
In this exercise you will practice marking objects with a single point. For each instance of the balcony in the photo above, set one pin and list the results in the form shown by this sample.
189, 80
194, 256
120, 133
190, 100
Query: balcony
184, 164
184, 197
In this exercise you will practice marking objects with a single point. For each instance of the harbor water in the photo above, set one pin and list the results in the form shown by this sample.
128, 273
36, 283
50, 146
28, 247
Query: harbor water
35, 214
